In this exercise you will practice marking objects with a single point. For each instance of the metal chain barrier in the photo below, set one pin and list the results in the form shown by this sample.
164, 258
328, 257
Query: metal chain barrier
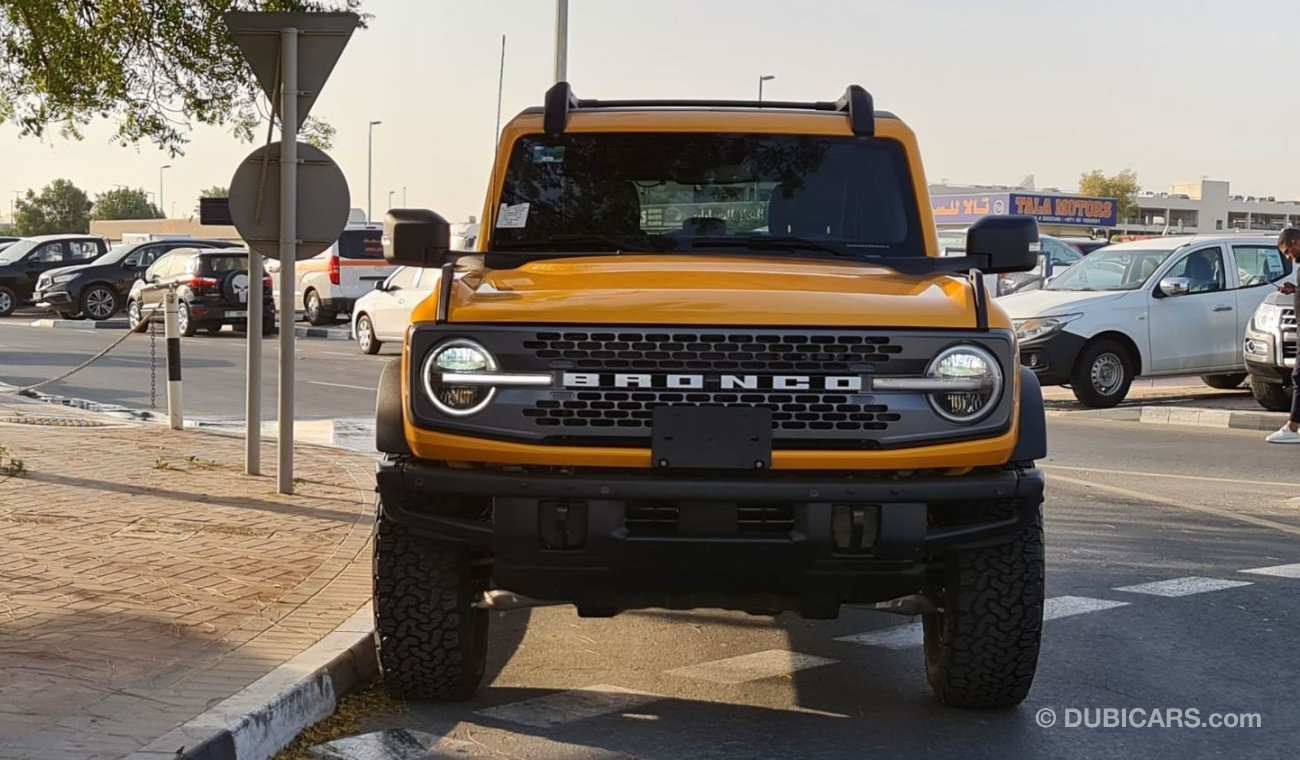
153, 362
146, 319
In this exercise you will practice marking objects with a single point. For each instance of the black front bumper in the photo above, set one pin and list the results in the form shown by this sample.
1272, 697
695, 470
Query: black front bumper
614, 540
1052, 359
339, 305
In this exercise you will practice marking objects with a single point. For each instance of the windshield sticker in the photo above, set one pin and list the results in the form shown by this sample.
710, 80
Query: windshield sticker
512, 217
548, 154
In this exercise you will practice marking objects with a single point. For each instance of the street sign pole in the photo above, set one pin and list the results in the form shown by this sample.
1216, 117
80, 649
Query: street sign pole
253, 402
288, 248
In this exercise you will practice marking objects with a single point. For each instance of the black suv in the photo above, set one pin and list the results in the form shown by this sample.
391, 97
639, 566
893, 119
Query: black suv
23, 262
212, 288
99, 289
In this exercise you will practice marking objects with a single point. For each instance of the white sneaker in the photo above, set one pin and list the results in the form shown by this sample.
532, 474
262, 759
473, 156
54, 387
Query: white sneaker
1284, 435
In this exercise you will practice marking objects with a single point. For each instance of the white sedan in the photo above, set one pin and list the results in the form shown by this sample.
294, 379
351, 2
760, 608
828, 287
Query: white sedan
1157, 308
383, 314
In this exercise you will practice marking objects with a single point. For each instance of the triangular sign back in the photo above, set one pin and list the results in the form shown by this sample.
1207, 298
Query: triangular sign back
321, 39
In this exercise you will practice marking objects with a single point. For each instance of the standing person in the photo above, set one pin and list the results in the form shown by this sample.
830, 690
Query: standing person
1288, 244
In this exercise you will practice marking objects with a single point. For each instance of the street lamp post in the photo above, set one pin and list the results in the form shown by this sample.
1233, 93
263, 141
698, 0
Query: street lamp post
404, 196
370, 168
390, 198
763, 78
161, 169
13, 213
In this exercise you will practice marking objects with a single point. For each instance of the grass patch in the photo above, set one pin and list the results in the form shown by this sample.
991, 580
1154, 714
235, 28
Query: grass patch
10, 466
346, 721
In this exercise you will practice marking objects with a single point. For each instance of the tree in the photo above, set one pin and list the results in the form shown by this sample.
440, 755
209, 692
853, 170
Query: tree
154, 68
60, 207
216, 191
123, 203
1123, 187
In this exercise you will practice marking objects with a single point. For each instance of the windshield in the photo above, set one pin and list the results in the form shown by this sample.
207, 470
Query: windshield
117, 253
16, 251
674, 192
1112, 270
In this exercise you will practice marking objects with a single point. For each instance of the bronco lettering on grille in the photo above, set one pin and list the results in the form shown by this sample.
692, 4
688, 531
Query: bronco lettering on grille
840, 383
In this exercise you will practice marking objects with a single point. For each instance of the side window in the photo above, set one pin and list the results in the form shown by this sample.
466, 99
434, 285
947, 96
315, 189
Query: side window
50, 253
1203, 269
84, 250
159, 267
1259, 265
1060, 254
404, 279
143, 257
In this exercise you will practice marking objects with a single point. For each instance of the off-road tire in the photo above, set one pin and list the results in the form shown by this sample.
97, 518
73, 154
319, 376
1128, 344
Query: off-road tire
1081, 379
1225, 382
432, 643
1274, 397
314, 310
8, 301
981, 649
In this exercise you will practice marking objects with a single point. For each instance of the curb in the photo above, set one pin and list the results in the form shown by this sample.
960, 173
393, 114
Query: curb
267, 715
329, 333
1223, 419
82, 324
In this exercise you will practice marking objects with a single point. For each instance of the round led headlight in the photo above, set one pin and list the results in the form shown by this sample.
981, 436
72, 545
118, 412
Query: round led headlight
976, 379
458, 357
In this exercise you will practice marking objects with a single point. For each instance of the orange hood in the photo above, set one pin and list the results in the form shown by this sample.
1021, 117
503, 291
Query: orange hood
709, 290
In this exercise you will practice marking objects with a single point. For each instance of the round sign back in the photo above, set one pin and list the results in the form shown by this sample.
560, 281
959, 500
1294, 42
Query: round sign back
322, 201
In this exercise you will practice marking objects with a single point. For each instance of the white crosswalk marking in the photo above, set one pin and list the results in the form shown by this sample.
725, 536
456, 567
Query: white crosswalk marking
910, 635
1066, 606
1183, 586
751, 667
1277, 571
568, 706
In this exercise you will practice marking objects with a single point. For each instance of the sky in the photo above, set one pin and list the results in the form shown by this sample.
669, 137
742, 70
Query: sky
1173, 89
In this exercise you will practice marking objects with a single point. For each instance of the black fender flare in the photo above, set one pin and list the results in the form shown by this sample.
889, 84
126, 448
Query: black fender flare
1031, 443
390, 426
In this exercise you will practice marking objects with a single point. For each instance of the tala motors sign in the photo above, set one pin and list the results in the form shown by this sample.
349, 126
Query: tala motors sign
1066, 210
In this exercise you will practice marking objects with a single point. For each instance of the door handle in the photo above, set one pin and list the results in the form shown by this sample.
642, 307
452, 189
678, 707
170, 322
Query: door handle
1223, 308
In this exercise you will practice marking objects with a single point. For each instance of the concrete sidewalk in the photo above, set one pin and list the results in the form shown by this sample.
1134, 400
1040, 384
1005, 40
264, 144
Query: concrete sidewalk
144, 579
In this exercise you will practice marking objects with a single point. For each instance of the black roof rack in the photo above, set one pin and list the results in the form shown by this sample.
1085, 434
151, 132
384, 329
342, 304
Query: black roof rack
856, 103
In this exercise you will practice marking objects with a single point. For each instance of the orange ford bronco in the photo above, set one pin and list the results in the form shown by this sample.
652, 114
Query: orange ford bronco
707, 355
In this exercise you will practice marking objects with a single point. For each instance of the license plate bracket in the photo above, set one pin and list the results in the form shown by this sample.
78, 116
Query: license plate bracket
711, 438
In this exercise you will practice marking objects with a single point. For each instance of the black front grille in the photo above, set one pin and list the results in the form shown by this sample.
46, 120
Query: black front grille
673, 351
632, 410
766, 520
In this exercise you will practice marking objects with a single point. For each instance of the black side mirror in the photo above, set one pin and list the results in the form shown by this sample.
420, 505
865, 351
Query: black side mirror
1010, 243
415, 238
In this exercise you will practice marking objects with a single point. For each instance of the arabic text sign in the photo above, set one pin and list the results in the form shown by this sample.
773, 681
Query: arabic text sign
965, 209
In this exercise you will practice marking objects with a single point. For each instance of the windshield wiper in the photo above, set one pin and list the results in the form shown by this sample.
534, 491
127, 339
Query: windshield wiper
546, 245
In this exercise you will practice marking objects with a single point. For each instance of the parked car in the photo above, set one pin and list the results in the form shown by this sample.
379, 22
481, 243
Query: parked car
98, 289
383, 314
212, 288
1056, 255
1086, 245
1161, 307
23, 262
1269, 345
330, 283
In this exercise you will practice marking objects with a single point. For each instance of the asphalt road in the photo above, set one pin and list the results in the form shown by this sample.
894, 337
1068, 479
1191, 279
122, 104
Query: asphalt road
1187, 509
334, 380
